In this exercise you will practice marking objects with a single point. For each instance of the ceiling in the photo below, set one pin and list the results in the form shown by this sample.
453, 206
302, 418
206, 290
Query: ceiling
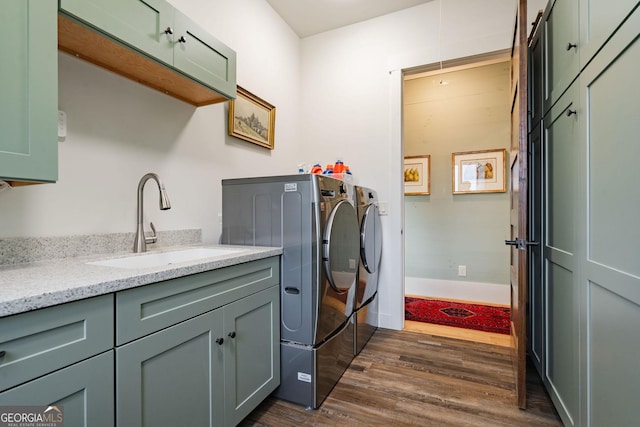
309, 17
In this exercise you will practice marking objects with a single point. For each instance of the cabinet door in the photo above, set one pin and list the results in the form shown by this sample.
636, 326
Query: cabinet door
83, 391
173, 377
137, 23
203, 57
29, 91
598, 20
561, 49
252, 355
536, 302
611, 269
561, 254
536, 79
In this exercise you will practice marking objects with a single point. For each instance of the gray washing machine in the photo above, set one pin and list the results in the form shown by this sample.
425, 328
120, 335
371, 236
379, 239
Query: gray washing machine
313, 219
366, 308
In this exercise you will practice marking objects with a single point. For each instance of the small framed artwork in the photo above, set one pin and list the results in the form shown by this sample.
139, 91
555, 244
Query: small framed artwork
252, 119
417, 175
479, 172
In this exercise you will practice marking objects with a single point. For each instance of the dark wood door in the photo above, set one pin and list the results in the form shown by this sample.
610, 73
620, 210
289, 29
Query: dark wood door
519, 191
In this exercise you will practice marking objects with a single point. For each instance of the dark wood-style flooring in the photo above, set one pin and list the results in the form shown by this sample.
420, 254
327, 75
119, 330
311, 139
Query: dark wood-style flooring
406, 378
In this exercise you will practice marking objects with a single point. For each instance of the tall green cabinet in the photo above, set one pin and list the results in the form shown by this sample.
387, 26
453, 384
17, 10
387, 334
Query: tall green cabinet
585, 295
29, 91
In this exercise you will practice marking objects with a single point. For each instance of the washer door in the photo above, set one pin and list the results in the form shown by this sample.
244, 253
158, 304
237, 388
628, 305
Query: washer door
341, 247
371, 239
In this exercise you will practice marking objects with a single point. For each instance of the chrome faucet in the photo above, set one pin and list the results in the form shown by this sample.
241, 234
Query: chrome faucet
140, 242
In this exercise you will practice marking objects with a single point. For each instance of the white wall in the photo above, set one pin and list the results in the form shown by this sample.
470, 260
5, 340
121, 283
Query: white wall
119, 130
352, 100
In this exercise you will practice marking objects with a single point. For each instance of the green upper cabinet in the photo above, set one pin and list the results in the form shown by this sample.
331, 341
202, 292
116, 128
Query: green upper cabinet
203, 57
598, 20
152, 43
561, 38
139, 24
29, 91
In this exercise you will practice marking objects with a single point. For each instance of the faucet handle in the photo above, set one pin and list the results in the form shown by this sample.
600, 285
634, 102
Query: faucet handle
154, 237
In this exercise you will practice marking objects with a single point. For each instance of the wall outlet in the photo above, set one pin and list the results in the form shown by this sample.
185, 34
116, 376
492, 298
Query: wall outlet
462, 270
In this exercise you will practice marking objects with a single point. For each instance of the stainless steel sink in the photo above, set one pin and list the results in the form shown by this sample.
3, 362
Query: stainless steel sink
160, 259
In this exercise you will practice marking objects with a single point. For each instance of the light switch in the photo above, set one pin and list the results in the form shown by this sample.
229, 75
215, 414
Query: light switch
462, 270
383, 208
62, 124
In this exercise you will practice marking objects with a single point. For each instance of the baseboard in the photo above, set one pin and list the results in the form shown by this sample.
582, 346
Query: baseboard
488, 293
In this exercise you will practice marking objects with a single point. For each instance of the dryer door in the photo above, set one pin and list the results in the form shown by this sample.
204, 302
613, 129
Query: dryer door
341, 247
371, 239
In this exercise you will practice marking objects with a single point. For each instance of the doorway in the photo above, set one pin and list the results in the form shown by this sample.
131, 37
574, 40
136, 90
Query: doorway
454, 243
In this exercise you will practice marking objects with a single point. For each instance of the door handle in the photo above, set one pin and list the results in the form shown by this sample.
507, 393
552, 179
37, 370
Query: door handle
521, 244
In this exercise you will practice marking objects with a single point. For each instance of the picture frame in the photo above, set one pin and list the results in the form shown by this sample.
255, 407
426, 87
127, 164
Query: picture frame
417, 175
252, 119
479, 171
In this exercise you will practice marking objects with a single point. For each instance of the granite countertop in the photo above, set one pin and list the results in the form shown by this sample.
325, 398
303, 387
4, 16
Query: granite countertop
32, 285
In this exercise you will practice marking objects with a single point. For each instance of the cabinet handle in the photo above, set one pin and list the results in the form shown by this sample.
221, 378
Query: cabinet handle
2, 353
169, 30
232, 334
182, 40
219, 341
571, 46
571, 112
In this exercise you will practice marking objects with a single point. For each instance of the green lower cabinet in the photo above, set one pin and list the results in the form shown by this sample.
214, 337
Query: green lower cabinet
211, 370
173, 377
29, 88
252, 356
84, 391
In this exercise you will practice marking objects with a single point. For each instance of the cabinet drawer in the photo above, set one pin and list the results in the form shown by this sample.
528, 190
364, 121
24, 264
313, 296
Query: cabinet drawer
85, 391
144, 310
41, 341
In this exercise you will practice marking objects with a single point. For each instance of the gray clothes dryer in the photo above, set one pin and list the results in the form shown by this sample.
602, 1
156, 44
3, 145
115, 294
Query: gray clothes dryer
313, 219
366, 308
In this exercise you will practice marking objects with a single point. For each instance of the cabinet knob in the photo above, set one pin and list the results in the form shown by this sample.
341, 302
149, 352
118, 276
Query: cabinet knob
169, 30
571, 112
182, 40
2, 353
571, 46
219, 341
232, 334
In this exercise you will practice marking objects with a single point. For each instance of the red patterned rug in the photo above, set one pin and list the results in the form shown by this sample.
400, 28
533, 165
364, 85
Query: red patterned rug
461, 315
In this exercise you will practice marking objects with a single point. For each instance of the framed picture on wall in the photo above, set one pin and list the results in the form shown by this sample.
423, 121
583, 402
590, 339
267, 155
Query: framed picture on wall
479, 171
417, 175
252, 119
